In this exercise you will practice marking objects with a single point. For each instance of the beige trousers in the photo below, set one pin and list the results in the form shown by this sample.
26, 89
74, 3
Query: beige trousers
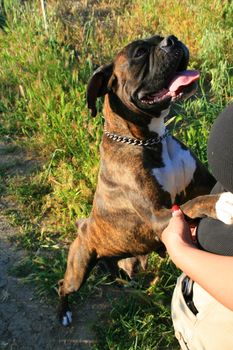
210, 329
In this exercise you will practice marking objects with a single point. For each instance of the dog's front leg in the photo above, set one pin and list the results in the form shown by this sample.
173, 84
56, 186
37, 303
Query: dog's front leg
81, 260
216, 206
202, 206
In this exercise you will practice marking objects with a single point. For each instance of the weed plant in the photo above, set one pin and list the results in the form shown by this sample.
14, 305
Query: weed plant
43, 79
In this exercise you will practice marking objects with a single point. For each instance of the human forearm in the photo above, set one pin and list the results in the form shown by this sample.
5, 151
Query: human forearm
213, 272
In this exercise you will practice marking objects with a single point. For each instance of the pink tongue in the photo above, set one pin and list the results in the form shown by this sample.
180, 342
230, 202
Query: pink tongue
183, 78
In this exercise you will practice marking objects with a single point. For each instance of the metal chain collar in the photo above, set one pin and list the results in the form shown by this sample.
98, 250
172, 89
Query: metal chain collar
136, 142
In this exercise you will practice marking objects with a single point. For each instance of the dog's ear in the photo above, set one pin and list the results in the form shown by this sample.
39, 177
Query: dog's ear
98, 85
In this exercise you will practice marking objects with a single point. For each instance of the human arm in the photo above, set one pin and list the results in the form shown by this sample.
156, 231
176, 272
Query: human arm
211, 271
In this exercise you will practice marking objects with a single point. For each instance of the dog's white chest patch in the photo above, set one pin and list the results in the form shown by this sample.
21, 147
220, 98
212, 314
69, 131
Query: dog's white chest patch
179, 167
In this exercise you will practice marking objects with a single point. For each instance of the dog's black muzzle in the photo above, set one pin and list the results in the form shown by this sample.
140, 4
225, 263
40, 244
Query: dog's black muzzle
156, 69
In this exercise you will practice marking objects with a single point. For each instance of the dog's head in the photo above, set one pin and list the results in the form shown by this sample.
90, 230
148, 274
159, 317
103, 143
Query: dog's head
147, 76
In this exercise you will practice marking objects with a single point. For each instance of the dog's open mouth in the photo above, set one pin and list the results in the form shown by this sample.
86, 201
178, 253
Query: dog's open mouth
184, 81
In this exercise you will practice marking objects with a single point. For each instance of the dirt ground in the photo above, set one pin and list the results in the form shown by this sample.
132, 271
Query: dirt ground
27, 323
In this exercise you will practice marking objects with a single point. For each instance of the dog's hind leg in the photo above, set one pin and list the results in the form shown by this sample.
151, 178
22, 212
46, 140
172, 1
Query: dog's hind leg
133, 265
80, 262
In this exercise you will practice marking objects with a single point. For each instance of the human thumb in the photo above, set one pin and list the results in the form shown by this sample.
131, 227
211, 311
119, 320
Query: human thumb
176, 211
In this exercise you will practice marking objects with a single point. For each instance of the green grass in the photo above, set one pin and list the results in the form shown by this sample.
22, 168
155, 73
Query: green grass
142, 320
43, 82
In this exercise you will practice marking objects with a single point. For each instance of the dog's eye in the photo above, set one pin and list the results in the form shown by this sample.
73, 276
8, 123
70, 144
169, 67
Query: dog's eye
141, 51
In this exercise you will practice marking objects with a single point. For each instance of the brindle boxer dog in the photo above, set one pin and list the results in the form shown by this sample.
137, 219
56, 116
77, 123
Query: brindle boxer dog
143, 168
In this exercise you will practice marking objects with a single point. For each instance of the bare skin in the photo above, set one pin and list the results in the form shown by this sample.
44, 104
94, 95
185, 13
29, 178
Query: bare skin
211, 271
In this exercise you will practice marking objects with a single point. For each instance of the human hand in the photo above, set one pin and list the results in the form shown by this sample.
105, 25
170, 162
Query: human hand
177, 234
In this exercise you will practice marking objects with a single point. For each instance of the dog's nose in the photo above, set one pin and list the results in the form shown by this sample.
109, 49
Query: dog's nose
168, 43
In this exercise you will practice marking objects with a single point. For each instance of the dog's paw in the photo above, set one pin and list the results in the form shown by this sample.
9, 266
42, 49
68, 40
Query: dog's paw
66, 319
224, 208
